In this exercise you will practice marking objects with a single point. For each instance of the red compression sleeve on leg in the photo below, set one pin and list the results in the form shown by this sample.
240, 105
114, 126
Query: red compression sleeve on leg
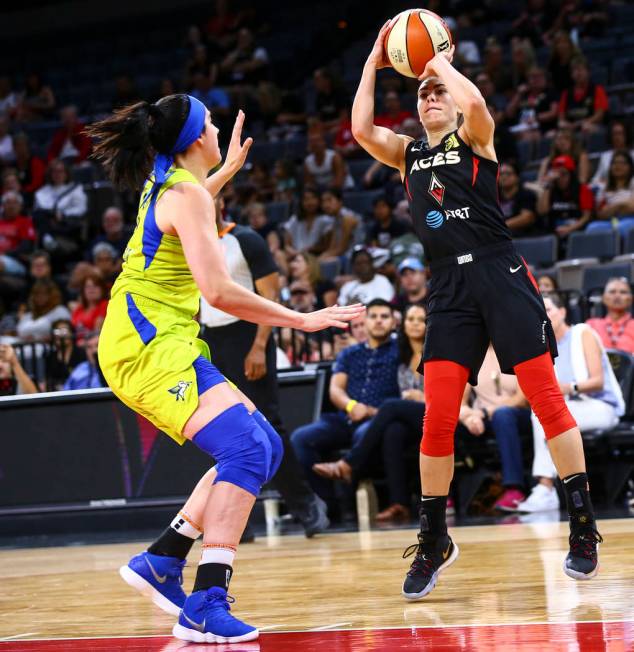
444, 386
537, 379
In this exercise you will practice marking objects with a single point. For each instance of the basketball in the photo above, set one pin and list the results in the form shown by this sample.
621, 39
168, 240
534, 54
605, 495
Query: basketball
414, 37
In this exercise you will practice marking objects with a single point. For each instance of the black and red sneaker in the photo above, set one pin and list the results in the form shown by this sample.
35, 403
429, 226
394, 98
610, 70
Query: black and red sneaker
582, 562
433, 555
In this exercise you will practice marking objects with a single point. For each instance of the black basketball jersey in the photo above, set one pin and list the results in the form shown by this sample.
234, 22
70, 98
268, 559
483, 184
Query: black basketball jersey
453, 197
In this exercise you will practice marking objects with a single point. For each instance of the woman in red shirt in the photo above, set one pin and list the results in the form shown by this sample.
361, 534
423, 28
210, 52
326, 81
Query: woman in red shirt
88, 316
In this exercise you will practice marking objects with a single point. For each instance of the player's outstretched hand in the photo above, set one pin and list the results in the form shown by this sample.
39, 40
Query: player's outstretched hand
378, 57
237, 152
336, 316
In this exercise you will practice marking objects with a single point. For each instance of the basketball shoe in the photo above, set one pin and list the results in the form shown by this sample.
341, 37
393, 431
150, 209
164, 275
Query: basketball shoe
433, 555
159, 578
205, 618
582, 562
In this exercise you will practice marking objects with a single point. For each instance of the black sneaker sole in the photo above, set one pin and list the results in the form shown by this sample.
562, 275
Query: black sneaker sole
434, 578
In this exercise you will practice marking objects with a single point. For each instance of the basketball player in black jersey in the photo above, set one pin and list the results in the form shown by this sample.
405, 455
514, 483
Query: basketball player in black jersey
480, 291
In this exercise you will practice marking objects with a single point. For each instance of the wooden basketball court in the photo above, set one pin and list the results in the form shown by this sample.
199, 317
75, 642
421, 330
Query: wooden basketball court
507, 591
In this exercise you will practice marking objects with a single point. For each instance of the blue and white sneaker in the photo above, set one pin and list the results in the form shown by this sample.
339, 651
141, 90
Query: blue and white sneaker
159, 578
205, 618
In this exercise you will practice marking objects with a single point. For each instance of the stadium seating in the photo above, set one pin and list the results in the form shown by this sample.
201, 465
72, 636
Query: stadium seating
595, 277
540, 252
600, 244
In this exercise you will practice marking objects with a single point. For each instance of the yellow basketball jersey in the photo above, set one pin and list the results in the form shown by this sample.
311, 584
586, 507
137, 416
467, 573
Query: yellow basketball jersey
154, 262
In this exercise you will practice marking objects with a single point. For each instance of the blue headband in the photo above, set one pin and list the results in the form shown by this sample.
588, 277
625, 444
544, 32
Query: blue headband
190, 132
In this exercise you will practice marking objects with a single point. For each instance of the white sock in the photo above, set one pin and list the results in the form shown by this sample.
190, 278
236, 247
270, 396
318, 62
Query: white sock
217, 554
185, 526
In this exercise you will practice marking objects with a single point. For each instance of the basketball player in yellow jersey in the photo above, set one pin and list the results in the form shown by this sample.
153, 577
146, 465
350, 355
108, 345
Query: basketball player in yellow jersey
149, 351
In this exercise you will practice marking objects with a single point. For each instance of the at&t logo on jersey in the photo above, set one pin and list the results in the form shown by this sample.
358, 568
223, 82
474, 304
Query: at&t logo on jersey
435, 219
442, 158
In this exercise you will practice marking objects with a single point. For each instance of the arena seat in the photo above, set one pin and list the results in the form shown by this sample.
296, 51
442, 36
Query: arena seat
540, 251
361, 201
596, 277
358, 168
602, 244
570, 272
277, 211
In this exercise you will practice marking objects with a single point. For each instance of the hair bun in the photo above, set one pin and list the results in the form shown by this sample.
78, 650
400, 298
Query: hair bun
154, 110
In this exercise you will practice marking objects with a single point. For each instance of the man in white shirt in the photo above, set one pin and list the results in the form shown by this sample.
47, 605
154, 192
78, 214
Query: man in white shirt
367, 284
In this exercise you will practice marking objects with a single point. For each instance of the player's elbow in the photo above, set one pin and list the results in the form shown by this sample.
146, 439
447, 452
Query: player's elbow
476, 108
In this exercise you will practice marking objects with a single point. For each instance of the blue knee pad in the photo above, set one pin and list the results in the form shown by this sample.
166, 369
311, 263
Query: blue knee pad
277, 445
241, 448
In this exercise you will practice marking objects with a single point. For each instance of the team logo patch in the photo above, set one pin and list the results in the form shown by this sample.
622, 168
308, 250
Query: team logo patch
435, 219
180, 389
436, 189
451, 143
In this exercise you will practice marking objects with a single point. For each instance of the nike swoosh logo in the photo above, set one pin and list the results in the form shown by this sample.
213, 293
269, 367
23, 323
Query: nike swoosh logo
157, 577
517, 269
572, 477
200, 627
446, 553
432, 498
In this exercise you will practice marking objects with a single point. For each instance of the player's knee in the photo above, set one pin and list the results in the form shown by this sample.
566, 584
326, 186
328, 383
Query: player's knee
276, 442
241, 448
439, 426
537, 379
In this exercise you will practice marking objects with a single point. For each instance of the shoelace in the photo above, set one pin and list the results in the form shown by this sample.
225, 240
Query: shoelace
584, 542
421, 563
225, 601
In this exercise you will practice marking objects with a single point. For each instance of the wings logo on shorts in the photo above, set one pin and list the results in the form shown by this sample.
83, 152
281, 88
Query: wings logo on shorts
179, 390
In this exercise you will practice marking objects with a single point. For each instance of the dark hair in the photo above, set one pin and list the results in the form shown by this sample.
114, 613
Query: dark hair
626, 126
128, 140
551, 278
379, 302
40, 253
98, 280
384, 199
405, 351
54, 297
513, 165
611, 185
357, 251
301, 213
335, 192
57, 161
555, 298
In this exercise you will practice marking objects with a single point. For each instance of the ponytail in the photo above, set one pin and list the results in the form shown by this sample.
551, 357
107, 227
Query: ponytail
129, 139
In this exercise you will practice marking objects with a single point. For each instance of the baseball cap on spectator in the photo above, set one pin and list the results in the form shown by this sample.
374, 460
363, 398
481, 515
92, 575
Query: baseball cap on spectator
563, 161
411, 263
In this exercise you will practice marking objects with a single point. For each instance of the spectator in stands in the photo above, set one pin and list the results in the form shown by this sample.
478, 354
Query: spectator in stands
7, 154
565, 204
17, 235
616, 329
345, 143
615, 202
87, 375
493, 98
562, 52
547, 284
396, 426
323, 167
285, 181
13, 379
385, 227
64, 354
413, 284
534, 22
291, 116
59, 208
522, 60
114, 231
214, 98
565, 144
305, 267
88, 316
592, 394
619, 138
30, 168
262, 181
518, 204
354, 334
247, 64
346, 228
9, 99
497, 78
367, 285
11, 181
259, 222
331, 101
467, 52
364, 376
40, 268
533, 108
44, 306
201, 65
393, 113
37, 101
105, 258
70, 143
222, 25
125, 91
308, 230
500, 409
583, 104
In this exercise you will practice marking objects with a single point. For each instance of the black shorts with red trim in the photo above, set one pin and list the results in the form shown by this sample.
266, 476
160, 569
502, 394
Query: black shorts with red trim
487, 294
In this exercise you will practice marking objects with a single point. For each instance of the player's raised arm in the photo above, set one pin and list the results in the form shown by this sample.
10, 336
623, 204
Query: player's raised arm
478, 126
194, 223
381, 143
